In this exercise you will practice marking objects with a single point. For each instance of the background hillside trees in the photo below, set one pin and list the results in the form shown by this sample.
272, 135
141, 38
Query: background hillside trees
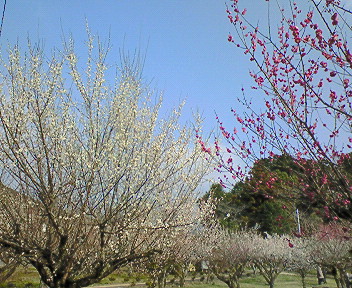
266, 199
92, 176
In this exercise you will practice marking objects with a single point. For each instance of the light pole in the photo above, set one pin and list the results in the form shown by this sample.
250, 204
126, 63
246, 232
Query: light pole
298, 222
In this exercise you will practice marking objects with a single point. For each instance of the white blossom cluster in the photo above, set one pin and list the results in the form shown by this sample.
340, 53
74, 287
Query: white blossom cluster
92, 174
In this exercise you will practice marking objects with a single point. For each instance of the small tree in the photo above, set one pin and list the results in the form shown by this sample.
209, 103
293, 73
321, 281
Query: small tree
230, 254
92, 176
177, 252
331, 246
271, 256
301, 260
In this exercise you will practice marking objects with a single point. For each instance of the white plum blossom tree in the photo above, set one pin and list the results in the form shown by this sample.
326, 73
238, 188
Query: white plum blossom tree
177, 252
332, 248
271, 256
8, 264
91, 175
301, 260
230, 253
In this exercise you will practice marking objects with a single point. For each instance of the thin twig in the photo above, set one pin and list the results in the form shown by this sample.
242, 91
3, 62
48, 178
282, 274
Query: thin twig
3, 16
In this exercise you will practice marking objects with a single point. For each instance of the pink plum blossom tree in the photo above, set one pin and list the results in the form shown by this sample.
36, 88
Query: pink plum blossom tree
302, 77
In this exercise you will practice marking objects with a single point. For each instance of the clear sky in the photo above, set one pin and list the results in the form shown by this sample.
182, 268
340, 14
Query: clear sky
185, 41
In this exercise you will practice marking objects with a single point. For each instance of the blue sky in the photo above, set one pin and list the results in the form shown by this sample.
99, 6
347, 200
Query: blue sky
185, 41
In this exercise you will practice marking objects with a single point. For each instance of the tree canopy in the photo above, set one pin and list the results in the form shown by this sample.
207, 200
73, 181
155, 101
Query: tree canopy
91, 174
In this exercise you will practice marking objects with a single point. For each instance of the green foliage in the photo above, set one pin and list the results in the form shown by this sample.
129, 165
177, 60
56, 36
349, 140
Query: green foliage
226, 208
272, 217
266, 198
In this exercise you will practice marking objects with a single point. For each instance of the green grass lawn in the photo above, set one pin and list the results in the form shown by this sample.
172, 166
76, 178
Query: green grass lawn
23, 277
28, 278
283, 281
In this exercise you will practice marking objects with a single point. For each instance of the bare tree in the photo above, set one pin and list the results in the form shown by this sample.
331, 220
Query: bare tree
92, 176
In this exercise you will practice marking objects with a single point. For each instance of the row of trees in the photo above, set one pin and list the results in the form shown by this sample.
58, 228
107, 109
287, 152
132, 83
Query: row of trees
230, 253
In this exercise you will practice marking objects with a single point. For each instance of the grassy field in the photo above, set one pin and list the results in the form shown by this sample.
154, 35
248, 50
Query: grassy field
28, 278
283, 281
23, 277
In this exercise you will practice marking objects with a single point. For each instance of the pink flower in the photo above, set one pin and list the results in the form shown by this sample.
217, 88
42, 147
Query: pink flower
335, 19
319, 34
345, 83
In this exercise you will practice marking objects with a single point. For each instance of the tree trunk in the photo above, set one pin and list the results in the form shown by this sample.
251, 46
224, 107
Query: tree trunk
347, 280
343, 278
162, 279
227, 280
7, 270
303, 278
236, 281
182, 280
183, 269
336, 274
231, 284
